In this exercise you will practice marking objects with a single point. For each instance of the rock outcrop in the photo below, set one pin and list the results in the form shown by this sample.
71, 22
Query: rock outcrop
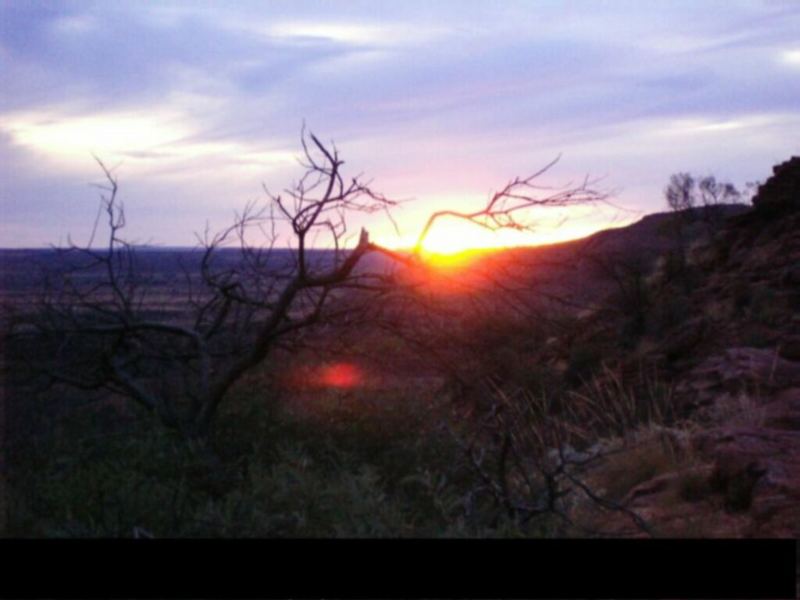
739, 381
781, 192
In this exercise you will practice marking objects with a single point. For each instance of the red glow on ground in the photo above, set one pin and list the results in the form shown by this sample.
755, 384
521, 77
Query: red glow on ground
340, 375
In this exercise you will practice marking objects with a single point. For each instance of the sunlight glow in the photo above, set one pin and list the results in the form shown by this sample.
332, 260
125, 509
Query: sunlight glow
791, 57
454, 242
68, 137
450, 236
455, 260
157, 139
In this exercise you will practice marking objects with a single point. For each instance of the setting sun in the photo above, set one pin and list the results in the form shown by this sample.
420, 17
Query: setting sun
452, 237
454, 260
455, 242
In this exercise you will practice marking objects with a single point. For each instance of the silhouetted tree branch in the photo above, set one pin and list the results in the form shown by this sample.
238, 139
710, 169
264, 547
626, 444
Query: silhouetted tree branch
241, 299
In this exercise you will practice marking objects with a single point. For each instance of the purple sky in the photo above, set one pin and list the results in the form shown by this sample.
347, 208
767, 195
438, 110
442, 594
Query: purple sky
440, 102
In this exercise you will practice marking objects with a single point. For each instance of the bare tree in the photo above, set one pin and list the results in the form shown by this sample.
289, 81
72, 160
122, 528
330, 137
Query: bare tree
106, 319
714, 193
685, 192
691, 198
679, 193
681, 199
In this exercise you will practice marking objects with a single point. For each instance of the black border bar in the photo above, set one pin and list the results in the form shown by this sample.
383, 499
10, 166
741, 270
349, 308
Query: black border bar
677, 569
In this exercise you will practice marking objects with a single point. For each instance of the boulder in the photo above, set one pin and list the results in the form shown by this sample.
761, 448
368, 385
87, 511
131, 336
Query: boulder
757, 471
734, 376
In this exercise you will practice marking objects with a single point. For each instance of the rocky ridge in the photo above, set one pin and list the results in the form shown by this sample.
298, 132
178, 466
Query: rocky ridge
736, 368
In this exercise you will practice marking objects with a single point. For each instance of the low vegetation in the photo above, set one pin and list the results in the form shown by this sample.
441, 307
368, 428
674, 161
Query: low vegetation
495, 400
344, 466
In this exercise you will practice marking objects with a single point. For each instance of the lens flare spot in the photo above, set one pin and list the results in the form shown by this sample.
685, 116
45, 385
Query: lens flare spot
340, 375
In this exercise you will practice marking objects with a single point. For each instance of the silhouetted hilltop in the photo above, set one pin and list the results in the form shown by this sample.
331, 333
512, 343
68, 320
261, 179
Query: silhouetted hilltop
652, 232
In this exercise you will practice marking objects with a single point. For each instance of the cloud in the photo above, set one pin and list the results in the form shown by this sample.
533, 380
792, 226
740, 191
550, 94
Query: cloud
68, 137
440, 101
350, 33
791, 57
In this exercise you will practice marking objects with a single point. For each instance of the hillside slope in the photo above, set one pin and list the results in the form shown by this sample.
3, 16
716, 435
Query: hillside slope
735, 362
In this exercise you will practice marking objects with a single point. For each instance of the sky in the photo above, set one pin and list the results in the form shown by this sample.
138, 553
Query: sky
197, 104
